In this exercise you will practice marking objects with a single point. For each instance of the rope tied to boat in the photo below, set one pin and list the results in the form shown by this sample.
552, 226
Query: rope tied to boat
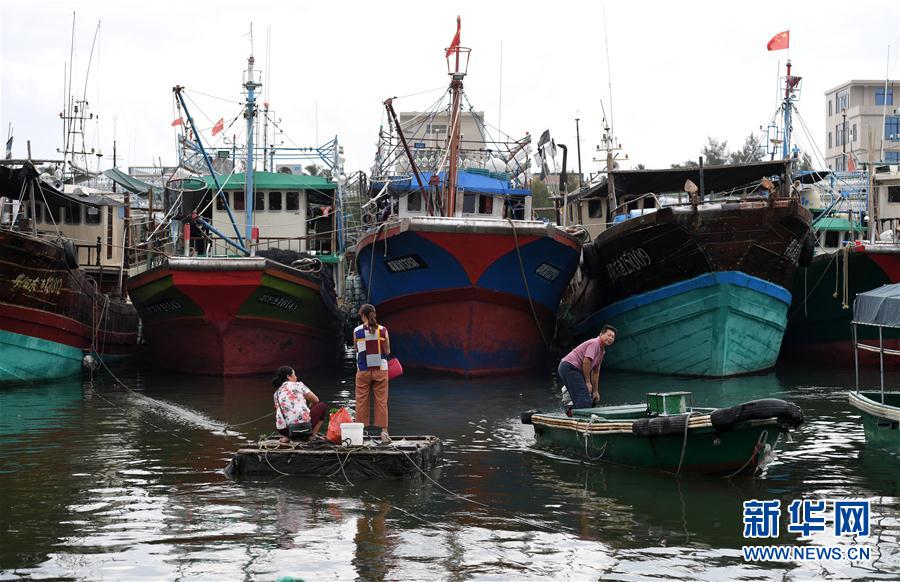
760, 444
587, 434
537, 321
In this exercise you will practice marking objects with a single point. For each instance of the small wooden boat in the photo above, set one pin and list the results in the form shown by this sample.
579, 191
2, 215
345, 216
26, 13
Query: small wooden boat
668, 434
404, 457
881, 418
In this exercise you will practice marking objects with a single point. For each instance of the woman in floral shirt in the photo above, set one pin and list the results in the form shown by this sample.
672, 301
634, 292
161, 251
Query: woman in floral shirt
292, 403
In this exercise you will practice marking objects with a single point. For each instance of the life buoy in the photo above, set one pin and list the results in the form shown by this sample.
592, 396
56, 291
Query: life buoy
70, 254
807, 251
788, 413
660, 426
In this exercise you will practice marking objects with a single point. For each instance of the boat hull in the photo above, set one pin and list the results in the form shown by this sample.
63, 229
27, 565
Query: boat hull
881, 422
50, 315
718, 324
744, 449
468, 297
231, 317
819, 329
695, 292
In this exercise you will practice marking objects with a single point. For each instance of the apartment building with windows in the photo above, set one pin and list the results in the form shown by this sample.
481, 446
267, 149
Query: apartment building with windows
859, 115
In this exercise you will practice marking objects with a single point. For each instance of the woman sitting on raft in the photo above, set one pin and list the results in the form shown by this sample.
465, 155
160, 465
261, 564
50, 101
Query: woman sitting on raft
292, 404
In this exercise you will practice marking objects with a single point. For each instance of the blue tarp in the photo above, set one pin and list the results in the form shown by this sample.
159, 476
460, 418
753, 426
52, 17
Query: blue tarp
466, 180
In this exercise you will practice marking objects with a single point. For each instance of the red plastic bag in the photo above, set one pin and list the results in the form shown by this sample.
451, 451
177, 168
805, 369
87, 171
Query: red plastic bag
394, 368
334, 424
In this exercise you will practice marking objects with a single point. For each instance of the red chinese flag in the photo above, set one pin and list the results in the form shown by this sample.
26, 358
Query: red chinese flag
219, 126
455, 42
851, 163
177, 122
780, 41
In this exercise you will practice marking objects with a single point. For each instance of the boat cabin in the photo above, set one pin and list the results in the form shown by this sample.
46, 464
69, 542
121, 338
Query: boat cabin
292, 212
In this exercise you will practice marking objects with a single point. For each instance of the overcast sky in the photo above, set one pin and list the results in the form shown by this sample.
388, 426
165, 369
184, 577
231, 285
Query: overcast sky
680, 71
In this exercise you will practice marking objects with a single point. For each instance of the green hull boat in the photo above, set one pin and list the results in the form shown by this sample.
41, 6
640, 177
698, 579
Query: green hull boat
881, 420
725, 441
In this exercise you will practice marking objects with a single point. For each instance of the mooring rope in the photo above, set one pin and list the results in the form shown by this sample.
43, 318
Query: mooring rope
525, 281
760, 442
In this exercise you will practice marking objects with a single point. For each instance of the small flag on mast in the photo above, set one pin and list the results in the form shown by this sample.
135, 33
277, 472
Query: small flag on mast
455, 42
219, 126
178, 121
780, 41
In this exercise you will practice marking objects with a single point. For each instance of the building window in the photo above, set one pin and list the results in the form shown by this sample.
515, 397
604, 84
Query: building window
892, 128
892, 157
73, 214
91, 215
843, 99
595, 208
882, 98
259, 199
829, 139
839, 135
829, 108
292, 202
239, 201
894, 194
853, 133
274, 200
221, 201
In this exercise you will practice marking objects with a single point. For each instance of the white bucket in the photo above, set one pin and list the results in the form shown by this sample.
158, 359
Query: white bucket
352, 431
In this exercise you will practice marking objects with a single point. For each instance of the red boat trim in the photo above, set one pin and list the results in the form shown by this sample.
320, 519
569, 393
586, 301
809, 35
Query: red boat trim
45, 326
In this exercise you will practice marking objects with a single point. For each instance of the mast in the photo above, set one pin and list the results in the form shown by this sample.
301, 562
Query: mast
251, 83
460, 57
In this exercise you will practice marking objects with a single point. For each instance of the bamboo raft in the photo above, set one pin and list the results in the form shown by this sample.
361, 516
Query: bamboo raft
404, 457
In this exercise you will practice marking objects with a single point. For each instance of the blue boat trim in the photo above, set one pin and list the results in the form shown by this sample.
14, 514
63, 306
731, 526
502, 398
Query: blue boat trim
736, 278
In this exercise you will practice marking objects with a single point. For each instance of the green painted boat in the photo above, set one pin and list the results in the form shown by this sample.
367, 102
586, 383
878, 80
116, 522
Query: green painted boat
739, 440
27, 359
881, 418
715, 325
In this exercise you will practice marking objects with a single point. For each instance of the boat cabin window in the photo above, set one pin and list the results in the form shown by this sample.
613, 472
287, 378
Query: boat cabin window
414, 202
52, 215
73, 214
239, 201
469, 201
220, 204
259, 201
595, 208
91, 215
485, 204
39, 213
832, 239
274, 200
893, 193
474, 203
292, 201
514, 207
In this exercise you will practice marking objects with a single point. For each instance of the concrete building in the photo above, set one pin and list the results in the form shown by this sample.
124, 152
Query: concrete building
859, 113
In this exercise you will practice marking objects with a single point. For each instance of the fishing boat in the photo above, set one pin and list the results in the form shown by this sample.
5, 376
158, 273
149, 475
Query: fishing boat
466, 282
668, 434
696, 267
852, 257
247, 302
878, 309
406, 457
52, 314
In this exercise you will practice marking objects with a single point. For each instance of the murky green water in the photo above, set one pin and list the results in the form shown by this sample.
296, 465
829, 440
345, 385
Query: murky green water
98, 483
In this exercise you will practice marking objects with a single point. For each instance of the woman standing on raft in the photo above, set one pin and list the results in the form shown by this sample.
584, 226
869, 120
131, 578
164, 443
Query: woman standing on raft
373, 344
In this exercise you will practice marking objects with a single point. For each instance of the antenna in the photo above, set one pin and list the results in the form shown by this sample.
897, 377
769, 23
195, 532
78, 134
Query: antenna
612, 132
500, 104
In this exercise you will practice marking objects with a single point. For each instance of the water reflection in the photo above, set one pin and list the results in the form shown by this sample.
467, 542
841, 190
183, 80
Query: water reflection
103, 482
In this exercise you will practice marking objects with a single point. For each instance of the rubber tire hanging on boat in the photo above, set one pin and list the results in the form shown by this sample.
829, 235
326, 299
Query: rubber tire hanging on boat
789, 413
807, 251
70, 254
660, 425
591, 265
526, 416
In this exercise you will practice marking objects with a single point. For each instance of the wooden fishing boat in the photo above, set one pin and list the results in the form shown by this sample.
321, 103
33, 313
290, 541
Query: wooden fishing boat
880, 415
405, 457
668, 434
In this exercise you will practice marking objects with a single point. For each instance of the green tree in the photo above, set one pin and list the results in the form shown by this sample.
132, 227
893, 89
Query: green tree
748, 153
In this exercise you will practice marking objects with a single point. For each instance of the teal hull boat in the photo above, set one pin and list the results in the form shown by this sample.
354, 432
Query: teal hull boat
29, 359
727, 441
716, 325
881, 419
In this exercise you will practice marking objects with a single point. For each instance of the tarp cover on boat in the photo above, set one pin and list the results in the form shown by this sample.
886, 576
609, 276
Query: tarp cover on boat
879, 306
14, 182
466, 180
131, 183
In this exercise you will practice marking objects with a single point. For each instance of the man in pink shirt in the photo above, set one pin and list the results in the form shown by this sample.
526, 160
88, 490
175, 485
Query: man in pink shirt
580, 369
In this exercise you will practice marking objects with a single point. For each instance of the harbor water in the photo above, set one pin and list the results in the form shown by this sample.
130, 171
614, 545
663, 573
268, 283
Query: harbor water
100, 482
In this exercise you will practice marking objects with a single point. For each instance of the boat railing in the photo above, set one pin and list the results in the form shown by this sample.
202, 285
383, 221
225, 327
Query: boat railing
312, 244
